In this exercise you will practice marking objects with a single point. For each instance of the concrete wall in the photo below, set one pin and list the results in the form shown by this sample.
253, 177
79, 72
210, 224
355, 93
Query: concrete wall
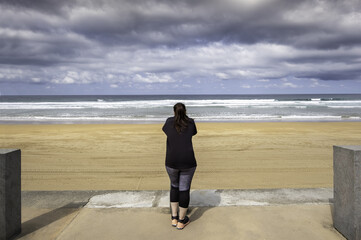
10, 193
347, 190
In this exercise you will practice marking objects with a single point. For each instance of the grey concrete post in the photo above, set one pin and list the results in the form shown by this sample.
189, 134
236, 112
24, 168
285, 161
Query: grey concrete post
10, 193
347, 191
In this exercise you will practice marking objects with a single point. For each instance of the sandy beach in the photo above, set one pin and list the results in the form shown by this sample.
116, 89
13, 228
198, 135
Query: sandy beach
131, 156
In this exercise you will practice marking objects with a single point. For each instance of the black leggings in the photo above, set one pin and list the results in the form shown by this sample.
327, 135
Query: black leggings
180, 180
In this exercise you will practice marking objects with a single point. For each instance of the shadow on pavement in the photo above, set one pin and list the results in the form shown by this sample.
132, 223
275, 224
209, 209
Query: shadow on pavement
45, 219
203, 200
197, 212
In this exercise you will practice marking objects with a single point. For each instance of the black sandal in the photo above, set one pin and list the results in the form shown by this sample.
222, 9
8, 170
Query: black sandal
185, 221
175, 218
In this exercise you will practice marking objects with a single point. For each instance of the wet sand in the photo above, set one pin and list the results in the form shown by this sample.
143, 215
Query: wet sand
131, 156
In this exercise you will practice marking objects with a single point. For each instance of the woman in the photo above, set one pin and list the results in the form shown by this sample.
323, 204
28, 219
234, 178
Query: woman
180, 162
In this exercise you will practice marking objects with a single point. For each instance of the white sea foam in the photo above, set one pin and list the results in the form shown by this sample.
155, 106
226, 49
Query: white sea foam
298, 117
214, 118
228, 103
349, 107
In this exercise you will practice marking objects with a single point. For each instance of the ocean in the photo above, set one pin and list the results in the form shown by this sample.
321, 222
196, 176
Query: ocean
156, 108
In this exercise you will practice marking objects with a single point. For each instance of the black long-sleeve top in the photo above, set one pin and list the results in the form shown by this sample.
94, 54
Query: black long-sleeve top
180, 153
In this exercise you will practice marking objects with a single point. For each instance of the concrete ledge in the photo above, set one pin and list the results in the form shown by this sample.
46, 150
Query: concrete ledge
58, 199
160, 198
213, 198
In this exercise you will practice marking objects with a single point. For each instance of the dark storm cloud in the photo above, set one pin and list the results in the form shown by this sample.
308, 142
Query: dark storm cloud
354, 74
183, 23
50, 7
163, 41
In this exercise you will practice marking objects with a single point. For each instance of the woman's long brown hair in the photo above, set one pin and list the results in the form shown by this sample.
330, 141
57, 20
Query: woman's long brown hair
180, 117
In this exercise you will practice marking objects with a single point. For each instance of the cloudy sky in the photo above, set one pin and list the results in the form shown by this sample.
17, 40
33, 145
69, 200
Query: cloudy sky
180, 47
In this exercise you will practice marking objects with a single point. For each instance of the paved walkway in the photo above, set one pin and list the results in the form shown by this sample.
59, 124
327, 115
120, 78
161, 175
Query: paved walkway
215, 214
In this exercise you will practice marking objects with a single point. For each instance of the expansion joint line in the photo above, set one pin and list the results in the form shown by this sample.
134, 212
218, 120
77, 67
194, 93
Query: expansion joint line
70, 222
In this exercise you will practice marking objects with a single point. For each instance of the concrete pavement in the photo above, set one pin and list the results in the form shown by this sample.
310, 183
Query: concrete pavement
215, 214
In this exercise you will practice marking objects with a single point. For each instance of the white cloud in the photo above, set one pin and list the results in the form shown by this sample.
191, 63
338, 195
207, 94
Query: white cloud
153, 78
222, 75
316, 83
289, 85
67, 80
73, 77
36, 80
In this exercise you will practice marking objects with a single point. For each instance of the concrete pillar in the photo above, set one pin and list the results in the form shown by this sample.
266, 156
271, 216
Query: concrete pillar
347, 191
10, 193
